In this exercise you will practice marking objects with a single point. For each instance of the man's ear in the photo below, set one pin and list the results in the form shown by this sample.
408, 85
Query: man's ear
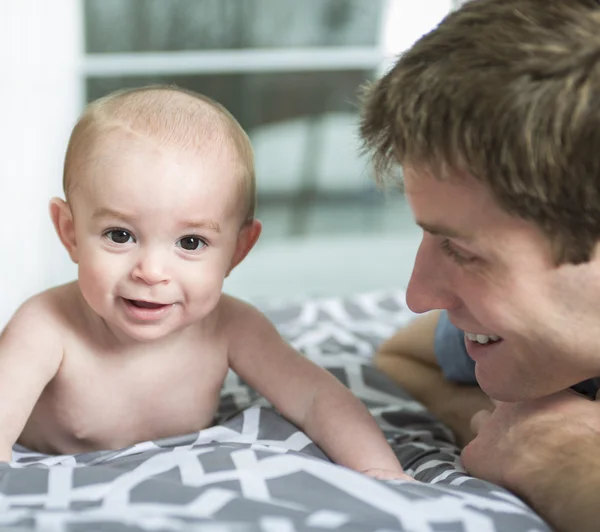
62, 218
247, 237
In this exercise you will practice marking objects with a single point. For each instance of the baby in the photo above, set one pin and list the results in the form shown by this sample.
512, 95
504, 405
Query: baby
160, 190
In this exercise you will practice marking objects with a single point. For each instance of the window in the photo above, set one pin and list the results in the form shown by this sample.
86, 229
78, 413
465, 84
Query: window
290, 72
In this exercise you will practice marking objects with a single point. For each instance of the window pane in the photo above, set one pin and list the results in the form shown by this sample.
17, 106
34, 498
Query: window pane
304, 130
163, 25
303, 126
259, 99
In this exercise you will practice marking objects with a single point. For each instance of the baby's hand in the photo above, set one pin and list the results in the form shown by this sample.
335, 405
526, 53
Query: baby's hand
387, 474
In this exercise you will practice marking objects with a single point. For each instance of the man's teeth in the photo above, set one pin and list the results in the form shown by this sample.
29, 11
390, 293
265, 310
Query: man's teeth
482, 338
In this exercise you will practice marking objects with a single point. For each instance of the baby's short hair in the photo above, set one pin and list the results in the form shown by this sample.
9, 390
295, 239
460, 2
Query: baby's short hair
170, 115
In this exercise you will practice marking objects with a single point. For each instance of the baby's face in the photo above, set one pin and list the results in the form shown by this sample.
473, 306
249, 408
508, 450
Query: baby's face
156, 231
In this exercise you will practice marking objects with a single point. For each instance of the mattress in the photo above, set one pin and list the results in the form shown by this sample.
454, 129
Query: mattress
254, 470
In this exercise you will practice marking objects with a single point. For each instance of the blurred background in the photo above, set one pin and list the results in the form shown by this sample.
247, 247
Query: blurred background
289, 71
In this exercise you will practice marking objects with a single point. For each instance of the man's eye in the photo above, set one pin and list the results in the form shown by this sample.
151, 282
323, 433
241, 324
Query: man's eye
455, 255
191, 243
119, 236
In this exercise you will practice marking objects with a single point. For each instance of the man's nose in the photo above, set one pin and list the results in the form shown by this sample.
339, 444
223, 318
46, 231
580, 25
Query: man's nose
151, 267
431, 284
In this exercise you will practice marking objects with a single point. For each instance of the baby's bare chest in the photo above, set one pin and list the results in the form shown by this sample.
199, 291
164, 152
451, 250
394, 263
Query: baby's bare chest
98, 402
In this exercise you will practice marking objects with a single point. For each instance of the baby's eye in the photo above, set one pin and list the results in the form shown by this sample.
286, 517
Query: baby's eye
119, 236
191, 243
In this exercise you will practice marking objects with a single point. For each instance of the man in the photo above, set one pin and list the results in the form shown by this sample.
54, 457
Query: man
494, 118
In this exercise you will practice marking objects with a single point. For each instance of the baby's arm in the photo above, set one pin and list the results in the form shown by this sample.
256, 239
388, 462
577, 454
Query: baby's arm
308, 396
30, 355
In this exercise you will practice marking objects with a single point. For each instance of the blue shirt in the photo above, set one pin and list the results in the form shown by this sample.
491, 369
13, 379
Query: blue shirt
457, 366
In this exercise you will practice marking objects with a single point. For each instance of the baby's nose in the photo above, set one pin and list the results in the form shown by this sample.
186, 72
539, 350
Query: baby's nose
151, 268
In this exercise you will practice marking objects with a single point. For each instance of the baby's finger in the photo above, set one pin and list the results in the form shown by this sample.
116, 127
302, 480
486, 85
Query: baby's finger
386, 474
404, 476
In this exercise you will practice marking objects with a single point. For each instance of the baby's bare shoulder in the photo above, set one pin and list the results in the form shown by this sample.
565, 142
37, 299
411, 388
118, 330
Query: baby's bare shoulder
35, 333
43, 312
238, 314
244, 325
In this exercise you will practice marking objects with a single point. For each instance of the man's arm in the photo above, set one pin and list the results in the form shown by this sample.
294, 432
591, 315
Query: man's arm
545, 451
309, 396
409, 358
30, 355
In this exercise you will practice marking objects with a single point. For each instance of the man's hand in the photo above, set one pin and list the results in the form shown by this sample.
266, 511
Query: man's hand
522, 436
546, 452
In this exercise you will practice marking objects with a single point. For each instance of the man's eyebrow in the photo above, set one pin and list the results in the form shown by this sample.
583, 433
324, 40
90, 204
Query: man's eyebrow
441, 230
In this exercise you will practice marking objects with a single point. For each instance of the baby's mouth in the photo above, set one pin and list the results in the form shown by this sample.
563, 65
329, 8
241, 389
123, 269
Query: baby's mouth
145, 304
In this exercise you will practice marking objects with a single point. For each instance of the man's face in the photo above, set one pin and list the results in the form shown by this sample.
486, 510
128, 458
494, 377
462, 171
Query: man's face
532, 328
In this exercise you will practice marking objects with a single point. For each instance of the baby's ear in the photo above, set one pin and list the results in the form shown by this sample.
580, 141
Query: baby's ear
62, 218
247, 237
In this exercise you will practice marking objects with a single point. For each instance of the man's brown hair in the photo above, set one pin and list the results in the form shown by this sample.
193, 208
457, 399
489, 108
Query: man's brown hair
507, 91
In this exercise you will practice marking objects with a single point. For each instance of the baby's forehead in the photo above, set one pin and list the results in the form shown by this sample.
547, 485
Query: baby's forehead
108, 138
130, 153
167, 118
124, 164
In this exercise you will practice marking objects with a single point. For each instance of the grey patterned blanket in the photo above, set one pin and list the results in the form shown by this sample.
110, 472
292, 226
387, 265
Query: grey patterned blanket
254, 470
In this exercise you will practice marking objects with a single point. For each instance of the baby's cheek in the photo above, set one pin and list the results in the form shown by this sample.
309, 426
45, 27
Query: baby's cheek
90, 288
96, 275
206, 287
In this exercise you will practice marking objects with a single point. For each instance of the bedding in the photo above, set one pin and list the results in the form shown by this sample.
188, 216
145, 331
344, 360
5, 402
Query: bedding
253, 470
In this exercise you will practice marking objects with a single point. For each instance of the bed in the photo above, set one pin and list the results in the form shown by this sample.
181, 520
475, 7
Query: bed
253, 470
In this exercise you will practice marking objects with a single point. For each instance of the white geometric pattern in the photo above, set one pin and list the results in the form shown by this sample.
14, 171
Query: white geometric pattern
254, 470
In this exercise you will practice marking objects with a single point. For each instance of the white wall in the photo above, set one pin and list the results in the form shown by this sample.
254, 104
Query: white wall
406, 21
40, 47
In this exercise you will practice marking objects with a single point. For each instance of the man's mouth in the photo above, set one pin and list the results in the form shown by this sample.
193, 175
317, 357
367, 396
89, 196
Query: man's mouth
482, 339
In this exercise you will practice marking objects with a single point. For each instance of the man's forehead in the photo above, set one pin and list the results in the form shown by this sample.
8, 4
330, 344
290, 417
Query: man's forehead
444, 207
